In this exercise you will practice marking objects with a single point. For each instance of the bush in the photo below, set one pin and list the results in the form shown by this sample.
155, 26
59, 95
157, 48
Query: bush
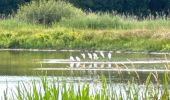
47, 11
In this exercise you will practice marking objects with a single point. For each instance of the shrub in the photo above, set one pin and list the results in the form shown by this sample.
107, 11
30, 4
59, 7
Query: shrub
47, 11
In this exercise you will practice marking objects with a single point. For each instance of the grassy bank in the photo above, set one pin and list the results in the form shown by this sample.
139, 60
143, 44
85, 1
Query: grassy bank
67, 27
133, 35
101, 90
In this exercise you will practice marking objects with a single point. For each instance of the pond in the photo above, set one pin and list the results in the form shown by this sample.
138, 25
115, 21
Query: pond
19, 66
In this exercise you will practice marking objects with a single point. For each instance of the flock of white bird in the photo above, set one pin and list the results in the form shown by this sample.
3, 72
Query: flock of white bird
90, 56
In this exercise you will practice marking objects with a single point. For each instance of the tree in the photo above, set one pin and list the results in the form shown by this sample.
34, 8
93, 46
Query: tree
135, 7
9, 6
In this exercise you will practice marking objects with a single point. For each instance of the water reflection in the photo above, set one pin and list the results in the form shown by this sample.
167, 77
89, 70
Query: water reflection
17, 66
21, 62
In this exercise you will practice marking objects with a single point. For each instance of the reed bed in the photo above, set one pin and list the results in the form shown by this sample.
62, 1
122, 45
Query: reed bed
113, 21
151, 89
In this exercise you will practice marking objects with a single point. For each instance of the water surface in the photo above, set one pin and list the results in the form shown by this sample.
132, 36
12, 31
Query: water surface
18, 66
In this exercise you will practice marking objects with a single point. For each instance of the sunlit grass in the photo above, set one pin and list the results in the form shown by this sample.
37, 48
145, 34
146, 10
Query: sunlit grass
151, 89
93, 31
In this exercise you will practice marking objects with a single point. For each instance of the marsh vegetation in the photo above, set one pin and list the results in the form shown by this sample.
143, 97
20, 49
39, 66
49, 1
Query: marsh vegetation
72, 28
19, 80
102, 89
56, 25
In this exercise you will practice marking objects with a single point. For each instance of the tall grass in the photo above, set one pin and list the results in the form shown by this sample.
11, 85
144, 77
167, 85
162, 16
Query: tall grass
113, 21
82, 30
14, 34
62, 13
102, 90
95, 21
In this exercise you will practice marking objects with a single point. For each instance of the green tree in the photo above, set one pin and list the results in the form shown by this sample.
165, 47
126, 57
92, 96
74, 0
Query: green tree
135, 7
9, 6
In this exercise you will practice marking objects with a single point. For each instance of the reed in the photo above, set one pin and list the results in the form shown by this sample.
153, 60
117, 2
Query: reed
113, 21
14, 34
102, 90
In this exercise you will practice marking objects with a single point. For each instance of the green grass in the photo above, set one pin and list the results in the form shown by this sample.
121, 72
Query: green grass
88, 30
92, 31
113, 21
53, 90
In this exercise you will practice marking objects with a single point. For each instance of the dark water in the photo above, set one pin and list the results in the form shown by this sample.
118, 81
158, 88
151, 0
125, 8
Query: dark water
18, 66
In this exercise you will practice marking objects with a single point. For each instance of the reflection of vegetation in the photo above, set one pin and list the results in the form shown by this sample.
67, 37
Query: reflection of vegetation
53, 90
21, 62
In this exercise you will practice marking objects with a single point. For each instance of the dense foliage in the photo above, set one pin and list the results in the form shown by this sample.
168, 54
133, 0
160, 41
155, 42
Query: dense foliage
47, 12
135, 7
8, 6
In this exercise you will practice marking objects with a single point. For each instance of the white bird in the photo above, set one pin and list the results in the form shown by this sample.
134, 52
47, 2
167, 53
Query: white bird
77, 59
83, 55
95, 65
95, 57
72, 58
90, 56
77, 65
102, 54
109, 65
109, 55
71, 65
90, 66
102, 66
83, 65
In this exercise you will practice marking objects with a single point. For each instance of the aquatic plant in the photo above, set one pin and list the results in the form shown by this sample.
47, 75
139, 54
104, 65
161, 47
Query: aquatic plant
102, 90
